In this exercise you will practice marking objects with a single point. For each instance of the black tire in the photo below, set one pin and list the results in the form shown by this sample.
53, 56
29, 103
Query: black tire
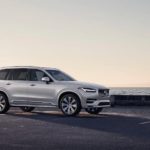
4, 104
27, 109
93, 110
70, 105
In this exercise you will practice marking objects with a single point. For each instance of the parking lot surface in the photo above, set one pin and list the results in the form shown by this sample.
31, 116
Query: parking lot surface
118, 128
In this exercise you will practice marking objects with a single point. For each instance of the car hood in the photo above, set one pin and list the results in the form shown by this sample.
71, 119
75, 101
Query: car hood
83, 84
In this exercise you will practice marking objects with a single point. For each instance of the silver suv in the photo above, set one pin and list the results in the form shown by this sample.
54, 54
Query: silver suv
30, 87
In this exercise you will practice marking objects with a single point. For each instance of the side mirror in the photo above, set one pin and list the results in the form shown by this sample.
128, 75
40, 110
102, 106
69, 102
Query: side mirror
46, 79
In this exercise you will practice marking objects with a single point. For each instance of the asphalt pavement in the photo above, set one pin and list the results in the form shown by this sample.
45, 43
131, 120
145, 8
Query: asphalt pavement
118, 128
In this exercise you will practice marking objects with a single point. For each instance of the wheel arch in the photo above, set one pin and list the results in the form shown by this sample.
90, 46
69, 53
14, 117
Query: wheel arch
4, 94
68, 92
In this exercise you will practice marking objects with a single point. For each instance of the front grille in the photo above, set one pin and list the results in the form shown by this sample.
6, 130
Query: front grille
103, 92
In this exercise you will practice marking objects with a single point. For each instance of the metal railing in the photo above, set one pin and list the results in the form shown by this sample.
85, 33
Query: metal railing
128, 100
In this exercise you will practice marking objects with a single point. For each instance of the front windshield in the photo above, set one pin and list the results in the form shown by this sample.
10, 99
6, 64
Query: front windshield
60, 76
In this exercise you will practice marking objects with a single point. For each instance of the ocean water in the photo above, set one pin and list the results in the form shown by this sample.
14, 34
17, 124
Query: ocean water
130, 91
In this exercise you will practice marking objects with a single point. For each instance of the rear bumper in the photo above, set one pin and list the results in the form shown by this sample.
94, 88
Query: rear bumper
99, 104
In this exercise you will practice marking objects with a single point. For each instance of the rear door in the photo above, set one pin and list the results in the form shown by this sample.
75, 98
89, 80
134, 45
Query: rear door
3, 79
17, 84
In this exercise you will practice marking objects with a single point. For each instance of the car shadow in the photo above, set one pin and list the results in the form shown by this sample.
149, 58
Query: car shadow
118, 124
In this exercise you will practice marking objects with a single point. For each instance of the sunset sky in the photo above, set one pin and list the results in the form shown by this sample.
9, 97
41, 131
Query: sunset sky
101, 41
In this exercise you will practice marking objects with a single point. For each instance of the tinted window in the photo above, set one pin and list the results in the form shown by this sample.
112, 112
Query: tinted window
60, 76
3, 74
37, 75
9, 76
20, 74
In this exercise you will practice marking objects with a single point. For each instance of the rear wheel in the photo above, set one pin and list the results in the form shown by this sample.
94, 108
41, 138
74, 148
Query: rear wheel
27, 109
93, 110
4, 104
70, 105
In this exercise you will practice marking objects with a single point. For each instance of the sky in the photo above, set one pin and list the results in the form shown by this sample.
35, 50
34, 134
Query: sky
102, 41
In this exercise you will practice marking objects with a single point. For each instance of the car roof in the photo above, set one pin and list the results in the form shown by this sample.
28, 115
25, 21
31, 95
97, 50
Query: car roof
28, 67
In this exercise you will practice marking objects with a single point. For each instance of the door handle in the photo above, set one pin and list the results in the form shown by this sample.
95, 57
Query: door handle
32, 85
8, 83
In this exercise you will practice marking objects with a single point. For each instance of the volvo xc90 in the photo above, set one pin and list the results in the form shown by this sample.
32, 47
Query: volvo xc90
30, 87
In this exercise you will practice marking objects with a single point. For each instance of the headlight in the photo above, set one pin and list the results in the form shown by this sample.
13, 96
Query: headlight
89, 90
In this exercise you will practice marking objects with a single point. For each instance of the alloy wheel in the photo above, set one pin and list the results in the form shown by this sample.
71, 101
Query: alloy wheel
2, 103
69, 105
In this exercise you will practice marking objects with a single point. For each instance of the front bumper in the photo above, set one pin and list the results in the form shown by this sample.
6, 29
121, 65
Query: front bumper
99, 104
99, 99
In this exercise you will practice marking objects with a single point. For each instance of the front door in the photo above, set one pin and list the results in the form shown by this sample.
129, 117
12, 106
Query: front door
39, 92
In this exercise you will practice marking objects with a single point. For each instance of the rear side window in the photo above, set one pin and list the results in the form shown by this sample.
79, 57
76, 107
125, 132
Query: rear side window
20, 74
4, 74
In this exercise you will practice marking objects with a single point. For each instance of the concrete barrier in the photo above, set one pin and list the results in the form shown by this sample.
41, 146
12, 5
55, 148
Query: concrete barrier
129, 100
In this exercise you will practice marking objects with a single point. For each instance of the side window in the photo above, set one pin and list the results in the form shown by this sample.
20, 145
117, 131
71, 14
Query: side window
37, 75
3, 74
20, 74
9, 76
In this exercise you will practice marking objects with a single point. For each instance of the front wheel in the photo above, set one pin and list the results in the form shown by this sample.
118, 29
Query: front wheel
27, 109
93, 110
70, 105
